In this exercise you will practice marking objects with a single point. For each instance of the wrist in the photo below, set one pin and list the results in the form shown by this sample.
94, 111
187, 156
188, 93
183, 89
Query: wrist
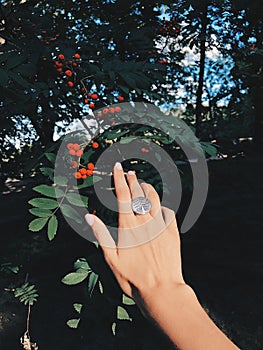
153, 298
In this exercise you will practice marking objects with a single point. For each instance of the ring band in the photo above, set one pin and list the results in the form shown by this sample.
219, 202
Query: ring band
141, 205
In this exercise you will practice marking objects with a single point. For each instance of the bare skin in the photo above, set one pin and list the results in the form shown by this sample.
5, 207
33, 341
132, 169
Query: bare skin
151, 272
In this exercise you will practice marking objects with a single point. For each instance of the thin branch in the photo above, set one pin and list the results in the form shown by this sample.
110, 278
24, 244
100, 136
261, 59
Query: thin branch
28, 318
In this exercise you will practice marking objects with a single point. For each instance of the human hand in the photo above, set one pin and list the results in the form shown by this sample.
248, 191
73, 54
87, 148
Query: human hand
147, 254
146, 262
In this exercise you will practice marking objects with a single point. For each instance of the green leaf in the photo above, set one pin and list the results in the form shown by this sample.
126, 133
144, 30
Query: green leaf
82, 264
127, 301
42, 213
61, 180
37, 224
77, 199
49, 172
113, 328
71, 213
74, 278
44, 203
128, 80
113, 135
8, 267
125, 140
87, 155
100, 287
93, 279
122, 314
210, 149
89, 181
124, 89
78, 307
49, 191
52, 227
73, 323
27, 294
158, 157
51, 157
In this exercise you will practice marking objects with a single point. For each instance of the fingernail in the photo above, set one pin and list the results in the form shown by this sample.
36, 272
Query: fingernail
118, 166
90, 219
131, 172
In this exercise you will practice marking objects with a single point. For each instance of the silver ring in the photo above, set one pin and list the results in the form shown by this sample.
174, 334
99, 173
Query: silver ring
141, 205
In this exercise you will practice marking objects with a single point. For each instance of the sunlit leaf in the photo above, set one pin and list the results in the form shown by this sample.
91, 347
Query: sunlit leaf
37, 224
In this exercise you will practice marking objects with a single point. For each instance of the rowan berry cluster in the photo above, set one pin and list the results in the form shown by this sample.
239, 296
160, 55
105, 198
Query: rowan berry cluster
74, 149
170, 28
163, 61
110, 110
83, 173
91, 98
44, 37
67, 66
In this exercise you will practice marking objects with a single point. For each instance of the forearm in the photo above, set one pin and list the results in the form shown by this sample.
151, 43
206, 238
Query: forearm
179, 314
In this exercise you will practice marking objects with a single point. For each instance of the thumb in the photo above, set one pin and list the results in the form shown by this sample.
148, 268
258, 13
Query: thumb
101, 232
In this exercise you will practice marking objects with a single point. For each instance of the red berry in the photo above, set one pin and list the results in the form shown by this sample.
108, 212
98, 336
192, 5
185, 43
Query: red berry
111, 110
99, 115
79, 153
84, 176
92, 105
77, 175
86, 101
58, 64
89, 94
90, 166
72, 152
95, 144
105, 110
74, 64
76, 147
94, 212
70, 83
117, 109
61, 57
120, 98
89, 172
74, 164
83, 171
77, 56
94, 96
60, 70
68, 72
70, 145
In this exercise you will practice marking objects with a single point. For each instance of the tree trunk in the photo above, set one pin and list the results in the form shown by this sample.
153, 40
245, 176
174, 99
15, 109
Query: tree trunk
199, 93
